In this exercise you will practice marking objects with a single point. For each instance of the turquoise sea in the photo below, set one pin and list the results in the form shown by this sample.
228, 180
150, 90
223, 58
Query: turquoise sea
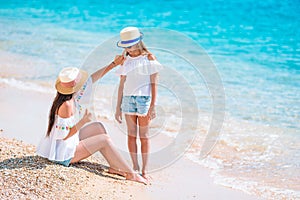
255, 46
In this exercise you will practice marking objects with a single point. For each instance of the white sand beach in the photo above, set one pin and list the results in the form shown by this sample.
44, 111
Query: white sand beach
24, 116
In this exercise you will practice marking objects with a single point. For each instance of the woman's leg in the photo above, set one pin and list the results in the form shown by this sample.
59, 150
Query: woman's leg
80, 153
131, 121
145, 142
92, 129
102, 143
89, 144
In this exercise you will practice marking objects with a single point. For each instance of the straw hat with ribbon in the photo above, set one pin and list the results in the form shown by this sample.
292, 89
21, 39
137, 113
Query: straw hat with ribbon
129, 37
70, 80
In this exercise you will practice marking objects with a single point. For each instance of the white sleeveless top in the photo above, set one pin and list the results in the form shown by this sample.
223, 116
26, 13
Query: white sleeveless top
54, 147
137, 71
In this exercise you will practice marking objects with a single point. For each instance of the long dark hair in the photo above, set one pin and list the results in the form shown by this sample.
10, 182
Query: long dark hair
58, 101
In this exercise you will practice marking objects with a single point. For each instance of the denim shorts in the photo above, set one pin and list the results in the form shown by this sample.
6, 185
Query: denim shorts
66, 163
136, 105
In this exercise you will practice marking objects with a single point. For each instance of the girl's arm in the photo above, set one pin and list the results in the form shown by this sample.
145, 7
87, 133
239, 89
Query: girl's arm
153, 82
118, 114
101, 72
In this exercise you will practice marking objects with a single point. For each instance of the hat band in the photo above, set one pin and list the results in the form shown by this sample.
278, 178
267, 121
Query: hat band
71, 83
130, 41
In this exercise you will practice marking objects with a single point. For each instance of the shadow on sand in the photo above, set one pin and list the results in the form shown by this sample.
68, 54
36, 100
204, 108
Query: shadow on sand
37, 162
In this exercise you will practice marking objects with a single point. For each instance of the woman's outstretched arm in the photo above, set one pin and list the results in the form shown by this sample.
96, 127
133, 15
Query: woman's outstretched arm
101, 72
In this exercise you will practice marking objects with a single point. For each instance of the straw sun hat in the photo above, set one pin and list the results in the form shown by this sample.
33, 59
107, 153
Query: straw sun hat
129, 37
70, 80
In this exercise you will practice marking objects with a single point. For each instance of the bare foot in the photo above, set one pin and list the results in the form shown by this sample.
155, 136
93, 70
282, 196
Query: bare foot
137, 178
114, 171
136, 169
146, 176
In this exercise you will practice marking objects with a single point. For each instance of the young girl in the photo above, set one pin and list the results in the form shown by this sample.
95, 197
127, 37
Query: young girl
68, 139
137, 93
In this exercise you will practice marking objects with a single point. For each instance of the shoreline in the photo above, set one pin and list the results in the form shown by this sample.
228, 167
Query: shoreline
31, 122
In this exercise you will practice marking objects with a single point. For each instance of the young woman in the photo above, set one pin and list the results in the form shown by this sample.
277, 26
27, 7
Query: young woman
137, 93
69, 140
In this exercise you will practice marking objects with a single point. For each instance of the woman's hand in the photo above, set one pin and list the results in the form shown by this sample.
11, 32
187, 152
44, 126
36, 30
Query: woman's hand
87, 117
118, 115
119, 59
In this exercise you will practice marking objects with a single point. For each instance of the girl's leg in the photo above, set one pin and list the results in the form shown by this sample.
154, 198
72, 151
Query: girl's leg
131, 121
145, 142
